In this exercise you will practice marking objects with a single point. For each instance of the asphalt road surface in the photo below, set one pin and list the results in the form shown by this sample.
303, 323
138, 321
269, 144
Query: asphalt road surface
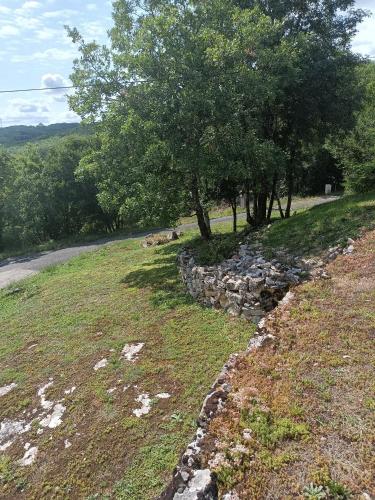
14, 269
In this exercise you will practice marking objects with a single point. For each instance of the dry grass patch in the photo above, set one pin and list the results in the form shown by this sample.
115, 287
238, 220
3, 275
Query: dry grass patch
304, 407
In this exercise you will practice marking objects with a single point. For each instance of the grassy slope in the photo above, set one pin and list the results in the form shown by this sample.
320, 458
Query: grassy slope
309, 402
307, 232
79, 313
314, 230
308, 399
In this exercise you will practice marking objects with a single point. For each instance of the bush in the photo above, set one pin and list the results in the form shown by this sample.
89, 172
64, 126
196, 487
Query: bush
361, 178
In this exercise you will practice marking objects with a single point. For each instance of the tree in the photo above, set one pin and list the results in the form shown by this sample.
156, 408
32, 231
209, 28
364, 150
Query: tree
5, 175
45, 200
213, 87
356, 150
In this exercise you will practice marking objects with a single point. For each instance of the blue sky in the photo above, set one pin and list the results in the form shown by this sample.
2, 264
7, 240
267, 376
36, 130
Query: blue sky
35, 52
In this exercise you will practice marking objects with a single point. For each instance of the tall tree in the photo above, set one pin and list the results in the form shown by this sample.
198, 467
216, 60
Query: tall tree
189, 73
356, 150
5, 176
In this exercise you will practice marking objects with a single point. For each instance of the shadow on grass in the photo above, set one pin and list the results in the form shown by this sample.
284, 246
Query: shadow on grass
161, 277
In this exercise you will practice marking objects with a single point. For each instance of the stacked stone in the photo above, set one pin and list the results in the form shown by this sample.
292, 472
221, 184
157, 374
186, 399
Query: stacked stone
247, 285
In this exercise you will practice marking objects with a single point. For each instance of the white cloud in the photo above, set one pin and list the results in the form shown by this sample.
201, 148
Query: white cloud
20, 108
364, 42
27, 23
63, 13
5, 10
47, 33
53, 80
8, 30
31, 4
91, 6
34, 111
93, 29
53, 54
68, 117
27, 7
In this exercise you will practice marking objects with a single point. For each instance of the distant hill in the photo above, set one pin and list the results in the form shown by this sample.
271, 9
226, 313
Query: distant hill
19, 135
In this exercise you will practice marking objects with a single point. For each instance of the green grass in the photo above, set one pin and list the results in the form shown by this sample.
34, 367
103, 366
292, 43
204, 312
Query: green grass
269, 430
312, 231
308, 232
81, 312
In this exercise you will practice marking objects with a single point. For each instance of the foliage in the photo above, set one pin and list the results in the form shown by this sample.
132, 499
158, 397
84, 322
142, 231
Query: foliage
5, 172
270, 431
194, 96
18, 135
97, 303
42, 198
330, 490
356, 150
194, 103
312, 492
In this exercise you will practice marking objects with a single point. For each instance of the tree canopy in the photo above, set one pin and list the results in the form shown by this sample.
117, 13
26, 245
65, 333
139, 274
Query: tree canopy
191, 95
194, 103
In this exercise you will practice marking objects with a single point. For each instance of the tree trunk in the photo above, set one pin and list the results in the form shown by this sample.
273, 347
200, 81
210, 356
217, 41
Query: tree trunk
249, 218
234, 210
207, 219
280, 207
255, 207
290, 182
272, 198
261, 215
202, 218
290, 195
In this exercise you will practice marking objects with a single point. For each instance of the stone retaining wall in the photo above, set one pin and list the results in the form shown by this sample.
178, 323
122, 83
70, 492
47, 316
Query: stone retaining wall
247, 285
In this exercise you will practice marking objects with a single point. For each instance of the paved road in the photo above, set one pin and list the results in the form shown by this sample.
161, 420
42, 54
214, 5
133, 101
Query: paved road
17, 268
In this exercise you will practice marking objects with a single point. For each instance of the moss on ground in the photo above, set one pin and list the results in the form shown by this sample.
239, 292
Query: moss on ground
66, 319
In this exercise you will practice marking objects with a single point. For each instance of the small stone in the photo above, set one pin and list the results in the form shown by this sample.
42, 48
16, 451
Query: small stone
247, 434
101, 364
163, 395
185, 476
7, 388
130, 351
29, 457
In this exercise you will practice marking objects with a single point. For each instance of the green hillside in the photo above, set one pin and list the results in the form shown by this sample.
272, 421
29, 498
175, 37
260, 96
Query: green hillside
18, 135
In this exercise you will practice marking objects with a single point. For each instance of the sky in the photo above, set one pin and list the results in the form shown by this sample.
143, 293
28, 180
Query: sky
36, 52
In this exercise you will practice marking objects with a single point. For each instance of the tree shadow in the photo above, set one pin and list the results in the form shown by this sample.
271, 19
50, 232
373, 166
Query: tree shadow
161, 277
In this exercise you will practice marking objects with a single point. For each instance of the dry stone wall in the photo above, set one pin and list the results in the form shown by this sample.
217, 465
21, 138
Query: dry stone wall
251, 279
247, 285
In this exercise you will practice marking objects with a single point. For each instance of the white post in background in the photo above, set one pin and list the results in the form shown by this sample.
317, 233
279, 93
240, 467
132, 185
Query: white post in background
328, 188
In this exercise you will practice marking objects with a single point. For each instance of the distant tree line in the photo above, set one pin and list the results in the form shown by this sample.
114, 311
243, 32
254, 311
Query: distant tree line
19, 135
195, 102
41, 197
